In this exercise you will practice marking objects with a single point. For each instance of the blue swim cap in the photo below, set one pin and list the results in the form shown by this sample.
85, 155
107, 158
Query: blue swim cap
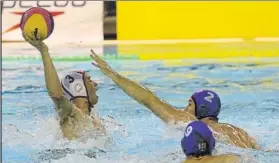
198, 140
208, 104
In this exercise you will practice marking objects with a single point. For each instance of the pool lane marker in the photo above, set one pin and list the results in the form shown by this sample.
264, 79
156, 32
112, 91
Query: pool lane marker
69, 58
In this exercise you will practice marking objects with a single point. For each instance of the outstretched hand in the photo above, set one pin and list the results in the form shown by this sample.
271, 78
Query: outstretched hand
100, 63
41, 46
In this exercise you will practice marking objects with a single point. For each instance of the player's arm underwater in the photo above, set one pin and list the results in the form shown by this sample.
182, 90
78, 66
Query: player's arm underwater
63, 105
142, 95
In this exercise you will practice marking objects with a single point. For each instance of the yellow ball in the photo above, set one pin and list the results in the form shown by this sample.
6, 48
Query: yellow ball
37, 23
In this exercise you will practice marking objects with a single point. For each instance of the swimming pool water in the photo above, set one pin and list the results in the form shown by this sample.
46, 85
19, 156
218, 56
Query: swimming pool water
249, 94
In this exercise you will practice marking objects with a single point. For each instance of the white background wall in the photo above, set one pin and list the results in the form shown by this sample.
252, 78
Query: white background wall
76, 25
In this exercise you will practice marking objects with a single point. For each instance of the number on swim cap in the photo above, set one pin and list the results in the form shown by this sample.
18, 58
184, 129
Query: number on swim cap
209, 97
188, 131
70, 79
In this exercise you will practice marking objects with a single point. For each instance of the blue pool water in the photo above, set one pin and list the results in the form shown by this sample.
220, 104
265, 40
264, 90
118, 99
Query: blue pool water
249, 94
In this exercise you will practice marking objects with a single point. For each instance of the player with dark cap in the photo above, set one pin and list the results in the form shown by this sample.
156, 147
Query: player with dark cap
204, 105
198, 144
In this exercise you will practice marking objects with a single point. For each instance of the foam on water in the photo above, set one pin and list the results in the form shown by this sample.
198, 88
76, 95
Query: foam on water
47, 136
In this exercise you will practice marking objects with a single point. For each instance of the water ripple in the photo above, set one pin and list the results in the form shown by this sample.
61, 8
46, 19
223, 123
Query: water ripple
25, 89
249, 94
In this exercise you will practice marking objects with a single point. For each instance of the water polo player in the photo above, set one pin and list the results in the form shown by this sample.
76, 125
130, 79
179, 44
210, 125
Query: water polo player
73, 97
198, 144
204, 105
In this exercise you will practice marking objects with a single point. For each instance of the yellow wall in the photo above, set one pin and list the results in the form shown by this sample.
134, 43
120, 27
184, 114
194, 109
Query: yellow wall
183, 20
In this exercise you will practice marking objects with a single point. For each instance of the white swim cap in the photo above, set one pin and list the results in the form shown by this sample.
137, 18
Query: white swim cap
74, 86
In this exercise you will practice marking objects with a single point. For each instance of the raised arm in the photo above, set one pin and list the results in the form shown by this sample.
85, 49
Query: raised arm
63, 105
143, 95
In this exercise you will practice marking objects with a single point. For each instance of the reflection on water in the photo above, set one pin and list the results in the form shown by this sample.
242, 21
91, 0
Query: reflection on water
249, 94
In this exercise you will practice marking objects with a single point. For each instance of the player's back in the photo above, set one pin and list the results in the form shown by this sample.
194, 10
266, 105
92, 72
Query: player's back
226, 158
233, 135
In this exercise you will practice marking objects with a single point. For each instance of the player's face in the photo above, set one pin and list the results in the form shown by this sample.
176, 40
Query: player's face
92, 89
